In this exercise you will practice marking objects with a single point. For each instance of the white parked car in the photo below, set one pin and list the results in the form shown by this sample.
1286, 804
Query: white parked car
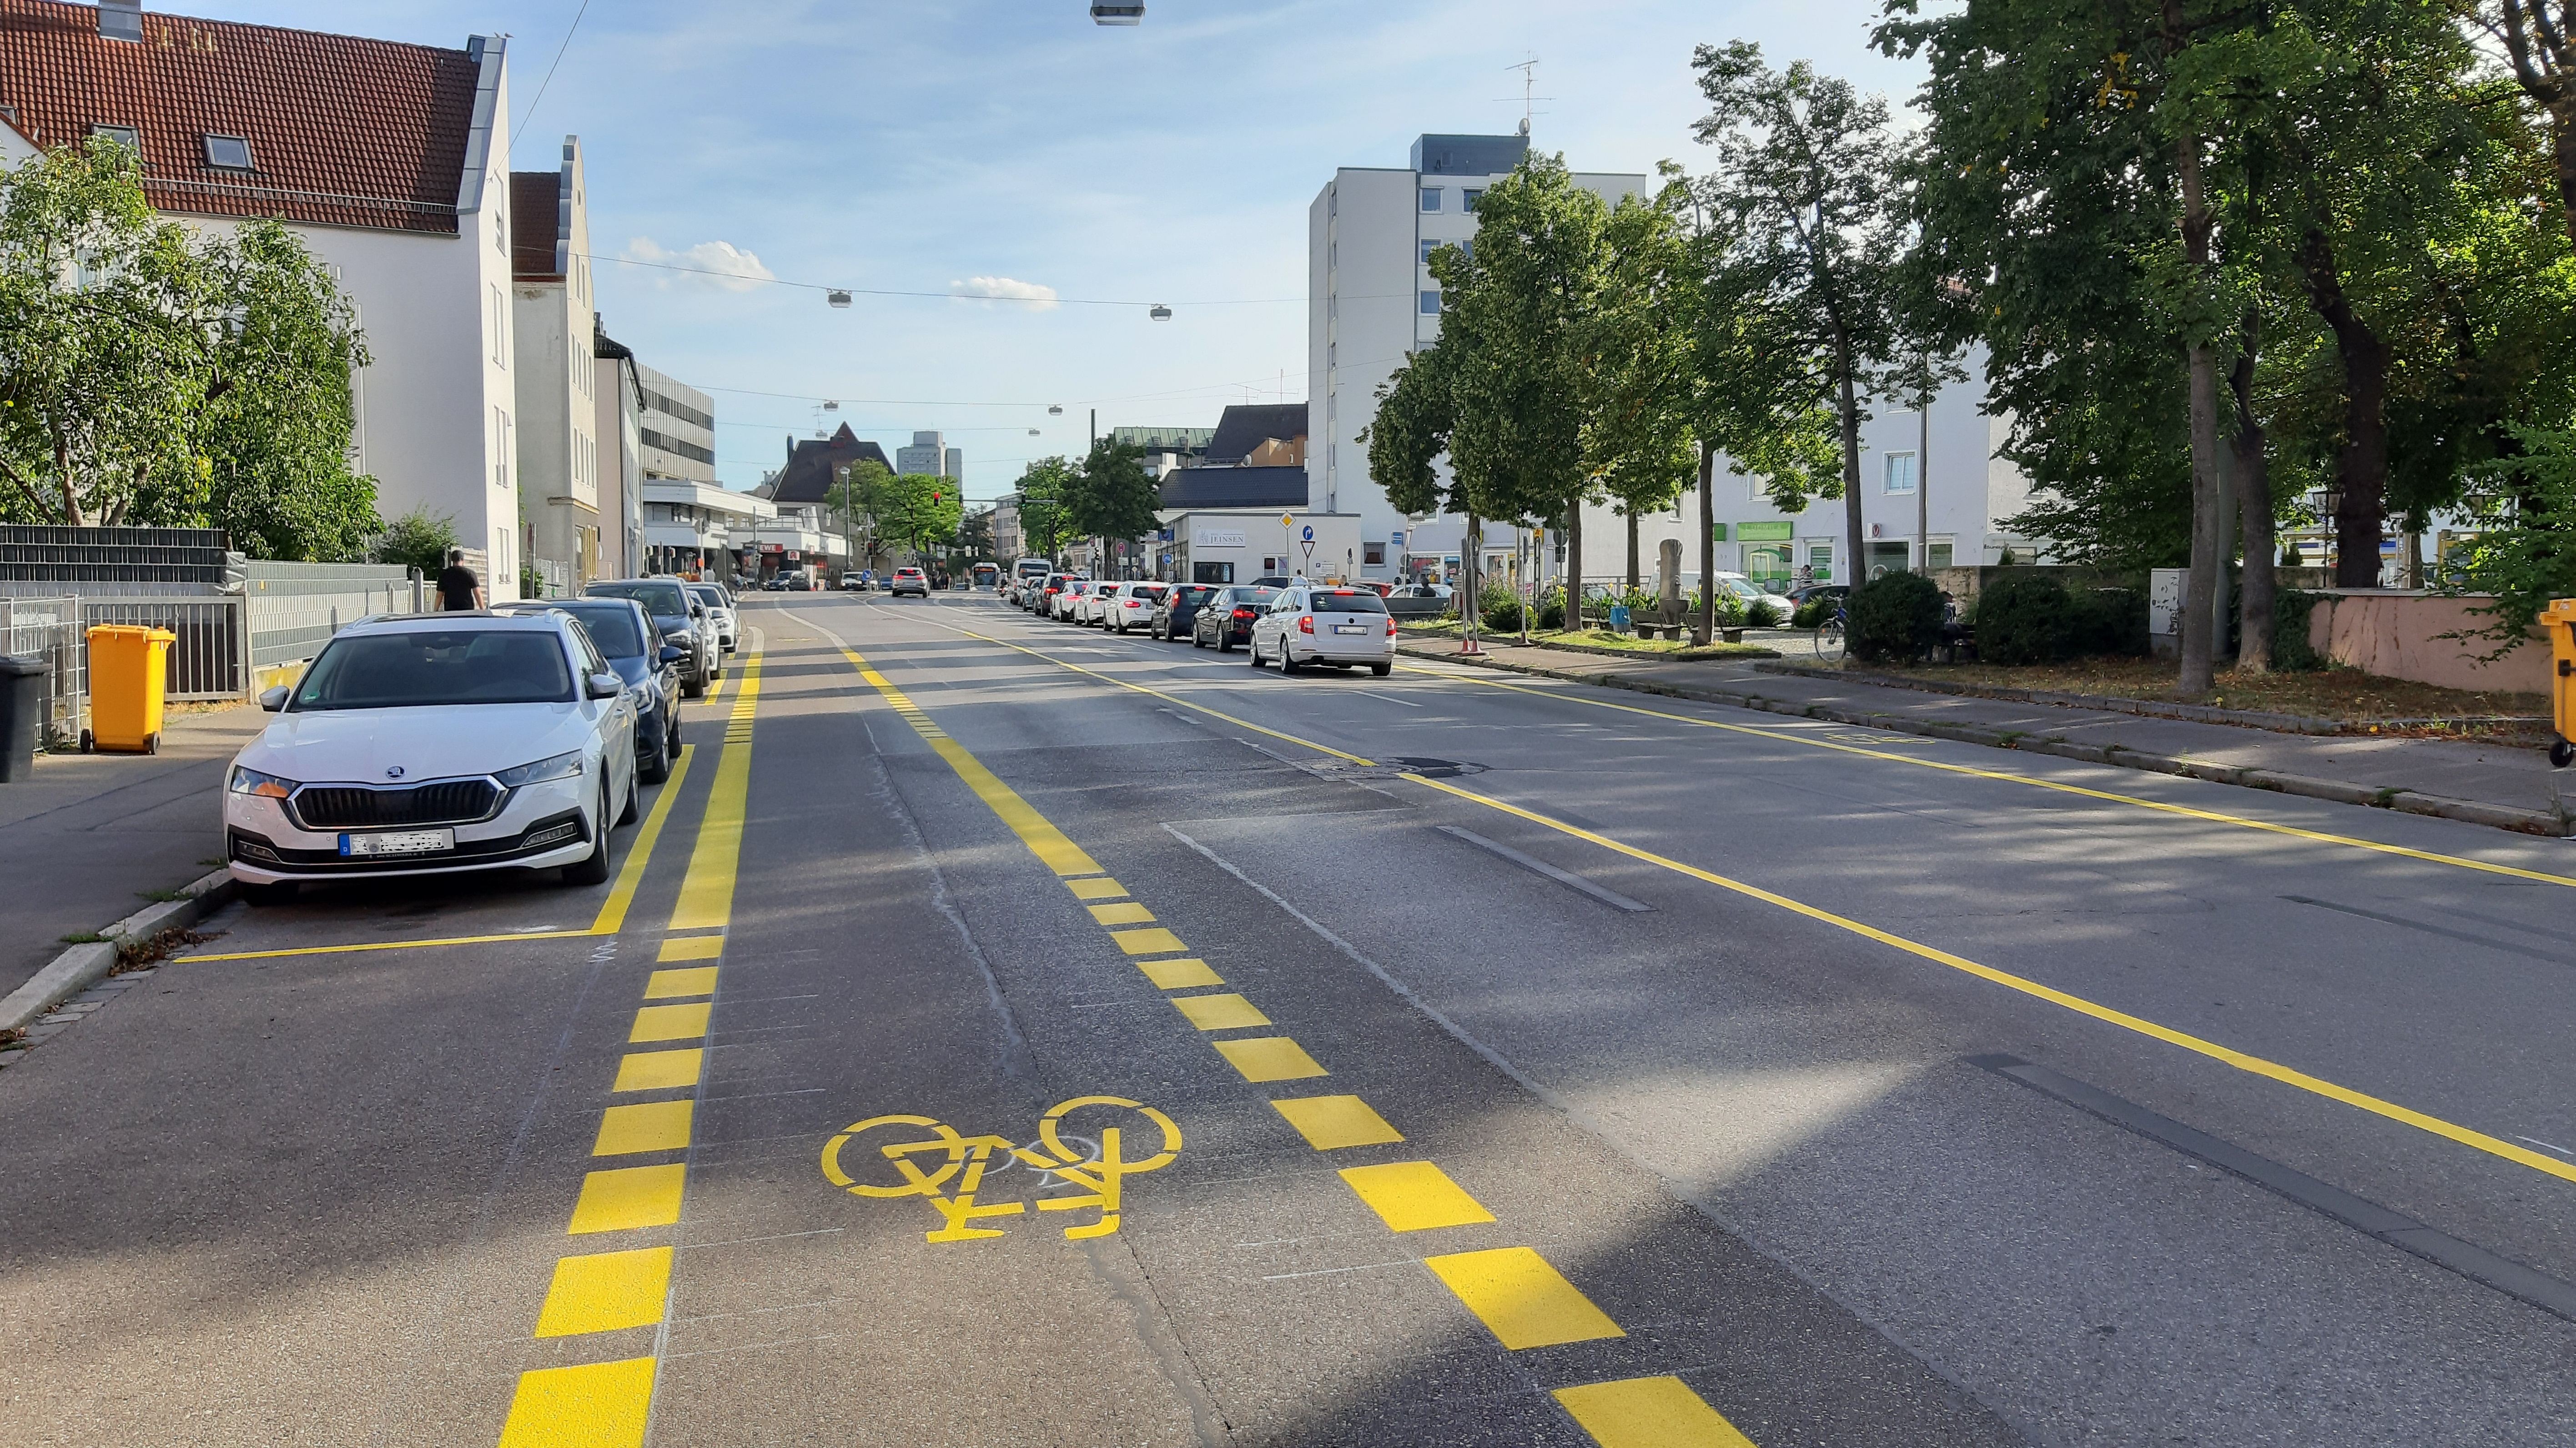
1130, 605
1067, 604
432, 744
719, 610
1311, 623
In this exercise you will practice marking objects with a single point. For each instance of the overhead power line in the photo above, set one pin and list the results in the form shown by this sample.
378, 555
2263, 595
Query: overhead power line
952, 296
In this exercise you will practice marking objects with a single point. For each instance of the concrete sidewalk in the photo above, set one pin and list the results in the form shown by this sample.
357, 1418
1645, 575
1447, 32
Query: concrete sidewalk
2510, 787
91, 836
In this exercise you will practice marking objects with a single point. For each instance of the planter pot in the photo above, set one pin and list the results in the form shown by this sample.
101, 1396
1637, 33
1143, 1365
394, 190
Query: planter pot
1730, 635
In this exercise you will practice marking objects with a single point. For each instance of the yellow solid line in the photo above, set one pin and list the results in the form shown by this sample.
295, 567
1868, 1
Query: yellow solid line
606, 1291
1521, 1299
592, 1405
694, 980
644, 1126
1330, 1123
2214, 816
1649, 1413
623, 1199
691, 947
706, 892
1044, 840
670, 1023
1270, 1058
2229, 1055
659, 1070
612, 913
1227, 1012
391, 945
1415, 1196
1179, 974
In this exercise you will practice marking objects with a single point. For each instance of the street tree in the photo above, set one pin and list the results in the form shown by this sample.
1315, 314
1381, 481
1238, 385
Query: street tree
1804, 184
1108, 496
1043, 489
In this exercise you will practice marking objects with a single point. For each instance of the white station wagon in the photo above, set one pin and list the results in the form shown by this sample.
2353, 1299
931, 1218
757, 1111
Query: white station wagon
432, 744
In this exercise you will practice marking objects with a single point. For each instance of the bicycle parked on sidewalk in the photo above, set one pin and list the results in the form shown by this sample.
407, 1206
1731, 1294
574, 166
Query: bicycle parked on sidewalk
1830, 638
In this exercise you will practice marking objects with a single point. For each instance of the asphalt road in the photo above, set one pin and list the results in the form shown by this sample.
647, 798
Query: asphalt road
1547, 1065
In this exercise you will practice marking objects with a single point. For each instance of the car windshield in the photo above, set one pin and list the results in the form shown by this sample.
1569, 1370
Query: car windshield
1361, 600
1191, 595
611, 626
1149, 590
415, 667
708, 594
662, 600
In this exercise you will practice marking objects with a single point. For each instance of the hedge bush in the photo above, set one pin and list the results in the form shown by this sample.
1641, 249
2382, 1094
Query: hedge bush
2290, 651
2036, 619
1551, 611
1895, 618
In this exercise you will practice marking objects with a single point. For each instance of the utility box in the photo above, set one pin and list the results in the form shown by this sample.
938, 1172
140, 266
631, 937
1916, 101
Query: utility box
2560, 619
2164, 610
128, 680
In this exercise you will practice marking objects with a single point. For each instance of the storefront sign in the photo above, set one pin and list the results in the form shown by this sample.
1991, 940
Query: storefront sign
1216, 538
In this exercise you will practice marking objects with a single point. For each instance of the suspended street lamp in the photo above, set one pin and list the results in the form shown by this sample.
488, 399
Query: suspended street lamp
1113, 14
1160, 313
837, 297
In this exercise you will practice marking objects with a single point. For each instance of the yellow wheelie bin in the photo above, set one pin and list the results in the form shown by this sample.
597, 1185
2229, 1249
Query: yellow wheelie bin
2560, 620
128, 677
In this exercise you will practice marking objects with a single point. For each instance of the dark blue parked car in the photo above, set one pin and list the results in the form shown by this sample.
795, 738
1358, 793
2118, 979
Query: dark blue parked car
1179, 606
626, 636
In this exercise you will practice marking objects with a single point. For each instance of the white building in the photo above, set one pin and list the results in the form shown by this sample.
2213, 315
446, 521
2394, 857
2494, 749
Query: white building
408, 206
1373, 301
553, 323
618, 394
931, 455
692, 527
679, 429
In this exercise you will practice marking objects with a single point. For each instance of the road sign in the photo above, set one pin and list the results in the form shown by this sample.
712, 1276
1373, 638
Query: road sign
1287, 520
1396, 538
1307, 534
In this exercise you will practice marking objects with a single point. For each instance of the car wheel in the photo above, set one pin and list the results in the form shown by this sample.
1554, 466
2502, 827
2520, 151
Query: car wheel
1381, 670
1225, 643
626, 816
1195, 641
692, 689
281, 892
656, 766
1287, 661
603, 851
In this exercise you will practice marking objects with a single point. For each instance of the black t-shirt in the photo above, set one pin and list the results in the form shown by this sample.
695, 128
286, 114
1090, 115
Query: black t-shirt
456, 585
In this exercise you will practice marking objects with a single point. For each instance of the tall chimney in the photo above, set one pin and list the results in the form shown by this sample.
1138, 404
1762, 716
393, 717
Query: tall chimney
120, 20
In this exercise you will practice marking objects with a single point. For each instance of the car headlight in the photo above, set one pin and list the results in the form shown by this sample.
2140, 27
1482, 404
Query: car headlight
562, 766
266, 786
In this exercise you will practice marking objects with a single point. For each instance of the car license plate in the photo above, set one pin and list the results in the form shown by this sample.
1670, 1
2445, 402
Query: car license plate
400, 842
1357, 628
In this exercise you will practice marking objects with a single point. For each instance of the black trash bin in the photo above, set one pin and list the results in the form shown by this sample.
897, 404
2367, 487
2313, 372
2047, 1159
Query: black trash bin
22, 712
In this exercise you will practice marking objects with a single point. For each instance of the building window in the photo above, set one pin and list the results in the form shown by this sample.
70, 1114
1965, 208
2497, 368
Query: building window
1900, 473
500, 329
229, 153
1430, 198
1428, 247
1373, 555
1941, 552
501, 439
1820, 561
130, 137
1431, 304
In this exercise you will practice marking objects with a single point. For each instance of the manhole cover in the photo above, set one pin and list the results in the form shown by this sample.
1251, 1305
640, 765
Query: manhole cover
1390, 768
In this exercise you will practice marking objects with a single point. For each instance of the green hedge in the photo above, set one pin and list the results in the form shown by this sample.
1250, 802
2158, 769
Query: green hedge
2290, 651
1895, 618
2036, 619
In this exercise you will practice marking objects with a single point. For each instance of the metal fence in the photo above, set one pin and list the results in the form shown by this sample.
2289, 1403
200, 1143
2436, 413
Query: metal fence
50, 629
210, 658
294, 608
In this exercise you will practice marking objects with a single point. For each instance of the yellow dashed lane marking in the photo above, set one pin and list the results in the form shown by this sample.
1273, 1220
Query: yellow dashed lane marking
606, 1291
1147, 942
1100, 888
1649, 1413
692, 947
644, 1126
1522, 1300
1415, 1196
671, 984
670, 1023
1227, 1012
706, 892
1125, 912
659, 1070
594, 1405
1179, 974
626, 1198
1330, 1123
1270, 1058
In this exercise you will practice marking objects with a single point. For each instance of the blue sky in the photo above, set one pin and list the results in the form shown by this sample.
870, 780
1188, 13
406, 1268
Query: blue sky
917, 147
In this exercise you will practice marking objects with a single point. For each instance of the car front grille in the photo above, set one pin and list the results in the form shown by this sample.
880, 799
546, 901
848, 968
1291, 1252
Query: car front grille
358, 807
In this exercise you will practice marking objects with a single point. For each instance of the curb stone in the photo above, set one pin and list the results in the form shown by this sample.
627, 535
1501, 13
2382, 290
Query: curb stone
2147, 708
82, 966
2405, 801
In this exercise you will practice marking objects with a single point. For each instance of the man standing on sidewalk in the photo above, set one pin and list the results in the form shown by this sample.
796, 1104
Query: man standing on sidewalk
458, 589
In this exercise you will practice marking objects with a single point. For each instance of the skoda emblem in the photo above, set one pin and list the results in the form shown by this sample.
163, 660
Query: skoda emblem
394, 773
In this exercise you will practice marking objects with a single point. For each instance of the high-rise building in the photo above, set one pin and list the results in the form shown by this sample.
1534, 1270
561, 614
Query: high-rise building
1373, 301
679, 429
929, 454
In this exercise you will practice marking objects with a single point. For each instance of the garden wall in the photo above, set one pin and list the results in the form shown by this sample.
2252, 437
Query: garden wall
2398, 634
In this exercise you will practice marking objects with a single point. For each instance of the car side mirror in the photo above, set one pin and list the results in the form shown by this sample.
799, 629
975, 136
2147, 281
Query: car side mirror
673, 653
273, 699
605, 686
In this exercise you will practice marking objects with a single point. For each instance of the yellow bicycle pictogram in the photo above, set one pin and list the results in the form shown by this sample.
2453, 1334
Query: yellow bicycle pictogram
929, 1155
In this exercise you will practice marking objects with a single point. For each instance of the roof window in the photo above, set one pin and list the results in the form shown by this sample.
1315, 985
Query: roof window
130, 137
230, 153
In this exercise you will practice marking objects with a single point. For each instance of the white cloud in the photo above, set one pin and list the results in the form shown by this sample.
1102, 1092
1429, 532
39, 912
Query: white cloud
1039, 298
709, 263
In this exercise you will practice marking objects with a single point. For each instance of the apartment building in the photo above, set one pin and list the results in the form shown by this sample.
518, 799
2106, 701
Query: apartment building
679, 429
557, 383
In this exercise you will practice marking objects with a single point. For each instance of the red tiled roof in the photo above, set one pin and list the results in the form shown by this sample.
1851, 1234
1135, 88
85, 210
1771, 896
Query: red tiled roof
342, 131
536, 210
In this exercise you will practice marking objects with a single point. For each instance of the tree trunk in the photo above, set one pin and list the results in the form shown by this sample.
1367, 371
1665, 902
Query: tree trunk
2199, 672
2254, 501
63, 480
1706, 631
1631, 511
2361, 463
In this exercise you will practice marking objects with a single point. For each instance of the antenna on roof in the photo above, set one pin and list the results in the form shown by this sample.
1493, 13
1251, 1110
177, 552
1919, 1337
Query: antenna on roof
1529, 83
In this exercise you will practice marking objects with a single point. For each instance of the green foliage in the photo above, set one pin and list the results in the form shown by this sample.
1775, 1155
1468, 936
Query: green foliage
150, 374
1500, 609
918, 511
2526, 555
975, 537
1551, 610
2291, 651
2034, 618
1108, 496
418, 539
1043, 487
1894, 618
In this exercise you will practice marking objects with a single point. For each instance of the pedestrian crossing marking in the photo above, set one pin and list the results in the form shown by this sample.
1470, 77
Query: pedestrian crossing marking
1415, 1196
1522, 1300
606, 1291
1331, 1122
